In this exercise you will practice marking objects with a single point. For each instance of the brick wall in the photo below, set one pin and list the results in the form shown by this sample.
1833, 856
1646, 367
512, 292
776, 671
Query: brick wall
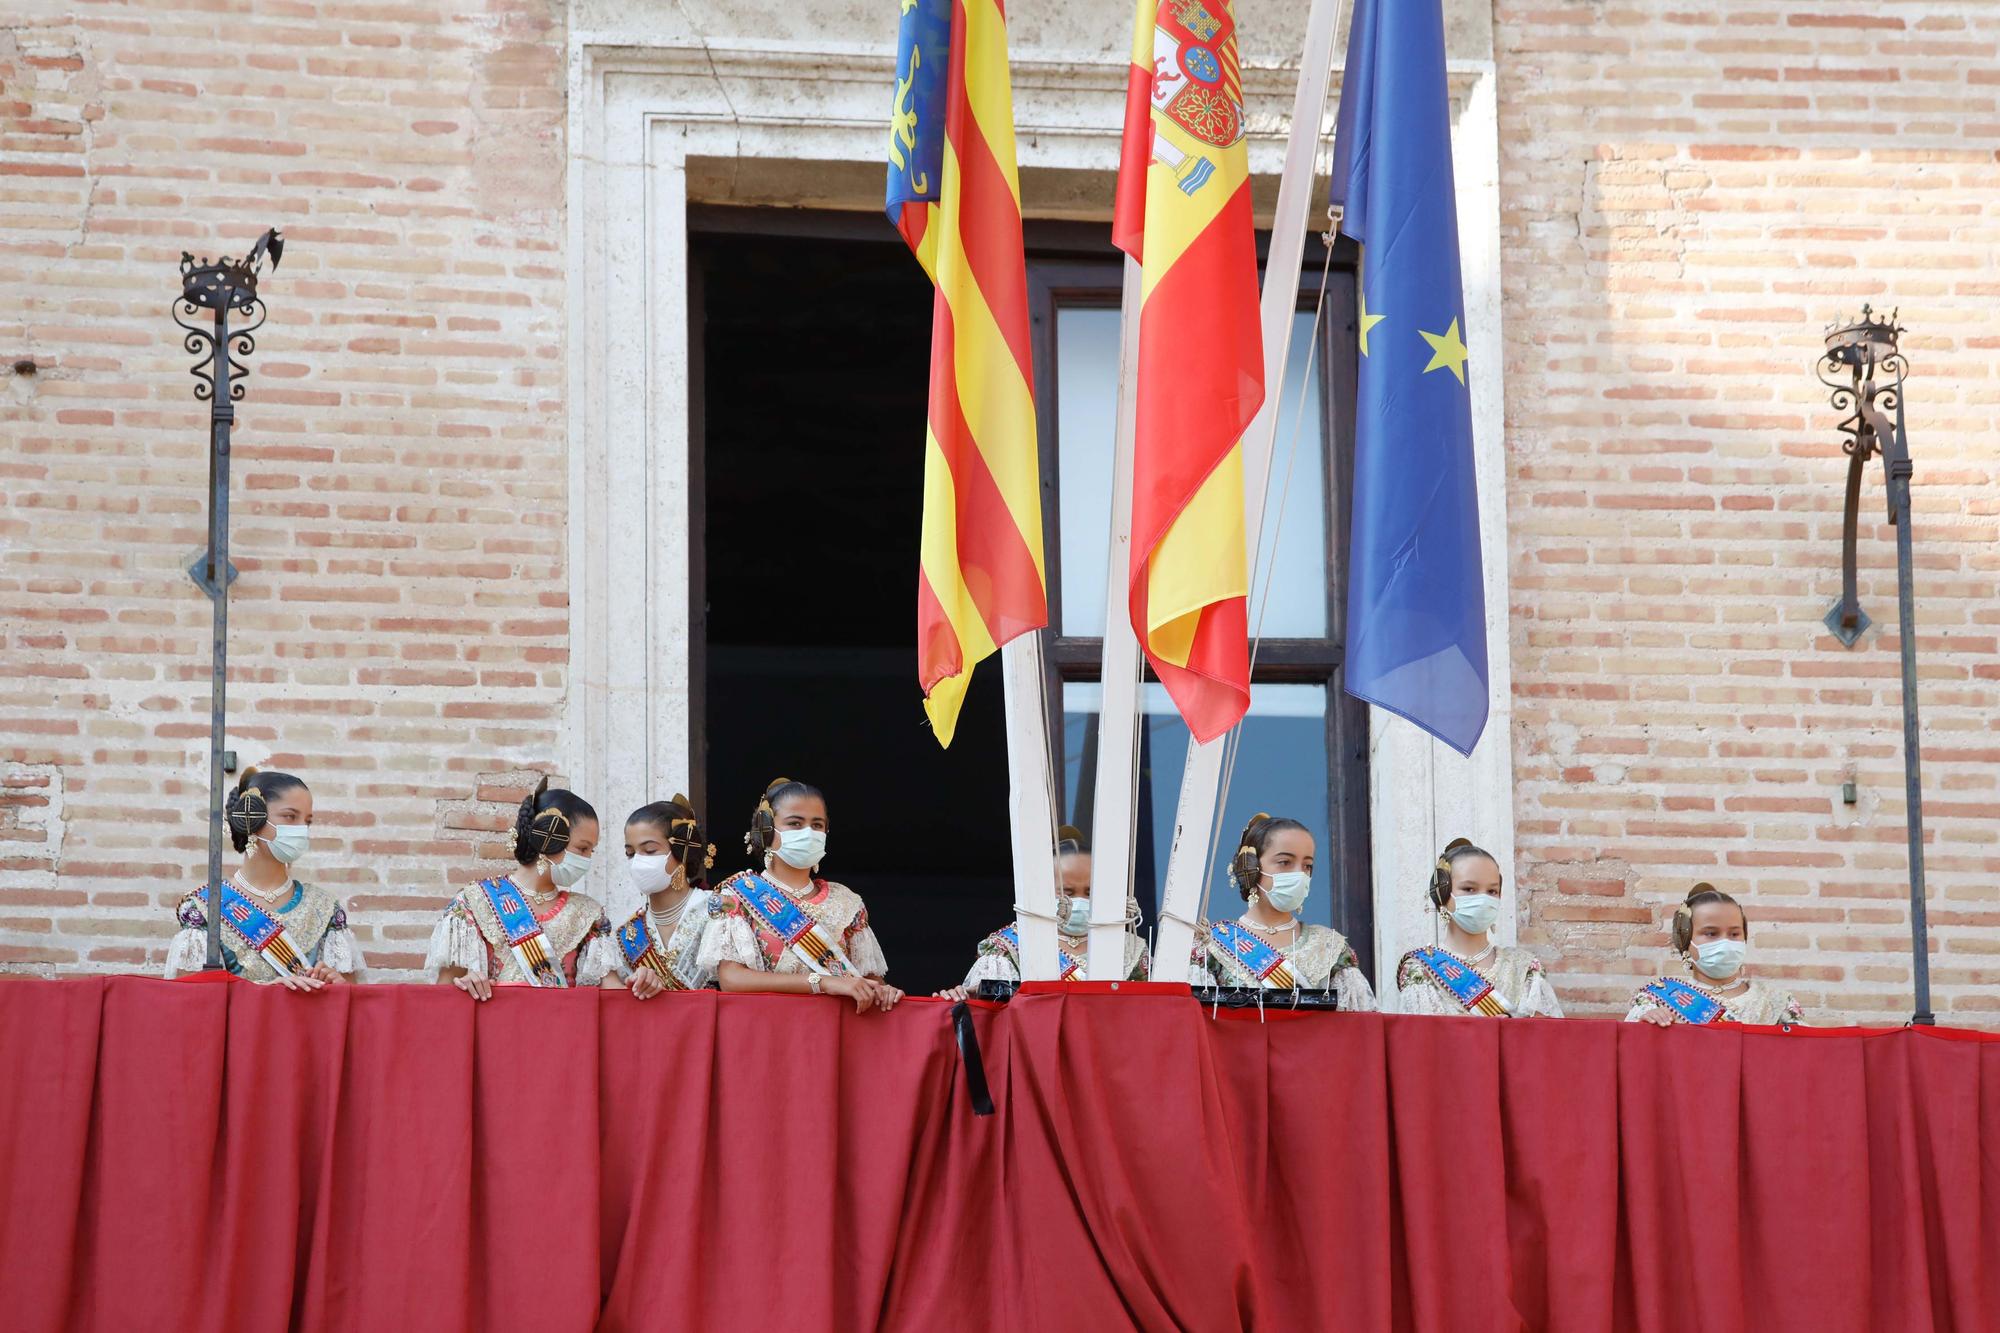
398, 633
1689, 195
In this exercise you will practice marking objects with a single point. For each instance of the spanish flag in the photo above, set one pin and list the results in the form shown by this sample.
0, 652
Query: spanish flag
1183, 211
954, 194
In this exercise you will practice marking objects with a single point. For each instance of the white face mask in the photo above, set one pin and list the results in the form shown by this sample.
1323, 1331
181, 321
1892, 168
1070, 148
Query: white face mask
801, 848
1288, 890
1077, 920
650, 874
570, 870
1475, 913
288, 842
1720, 960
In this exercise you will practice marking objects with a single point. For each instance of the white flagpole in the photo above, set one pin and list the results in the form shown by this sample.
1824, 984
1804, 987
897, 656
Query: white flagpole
1031, 805
1194, 816
1115, 807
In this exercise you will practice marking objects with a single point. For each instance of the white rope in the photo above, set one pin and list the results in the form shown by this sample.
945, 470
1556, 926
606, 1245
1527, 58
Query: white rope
1233, 743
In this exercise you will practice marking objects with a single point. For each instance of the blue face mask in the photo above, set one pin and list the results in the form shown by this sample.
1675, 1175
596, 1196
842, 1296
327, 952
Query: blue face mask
1475, 913
1288, 890
1719, 960
1077, 920
288, 842
801, 848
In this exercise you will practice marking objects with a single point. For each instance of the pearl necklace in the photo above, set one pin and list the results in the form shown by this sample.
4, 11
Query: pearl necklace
270, 897
536, 896
1476, 959
666, 922
1292, 925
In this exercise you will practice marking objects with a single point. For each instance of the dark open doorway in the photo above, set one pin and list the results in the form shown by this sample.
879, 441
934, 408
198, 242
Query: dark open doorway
811, 361
814, 352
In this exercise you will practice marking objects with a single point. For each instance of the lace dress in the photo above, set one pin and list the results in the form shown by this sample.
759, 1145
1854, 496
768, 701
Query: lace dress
1515, 975
1759, 1004
574, 931
313, 917
998, 960
735, 934
1320, 959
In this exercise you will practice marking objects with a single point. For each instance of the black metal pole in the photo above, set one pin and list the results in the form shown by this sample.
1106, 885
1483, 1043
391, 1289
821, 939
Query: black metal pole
221, 415
220, 285
1896, 463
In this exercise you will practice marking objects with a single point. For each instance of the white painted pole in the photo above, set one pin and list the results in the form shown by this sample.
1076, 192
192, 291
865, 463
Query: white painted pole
1031, 805
1194, 816
1115, 807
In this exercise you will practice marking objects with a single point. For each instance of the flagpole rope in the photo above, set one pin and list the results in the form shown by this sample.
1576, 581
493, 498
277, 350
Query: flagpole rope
1233, 743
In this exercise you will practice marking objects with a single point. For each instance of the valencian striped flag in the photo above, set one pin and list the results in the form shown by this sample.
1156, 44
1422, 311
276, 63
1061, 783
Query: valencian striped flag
1416, 604
956, 197
1183, 212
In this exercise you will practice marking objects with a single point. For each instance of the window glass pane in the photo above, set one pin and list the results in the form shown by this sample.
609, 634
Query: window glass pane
1086, 420
1086, 423
1281, 767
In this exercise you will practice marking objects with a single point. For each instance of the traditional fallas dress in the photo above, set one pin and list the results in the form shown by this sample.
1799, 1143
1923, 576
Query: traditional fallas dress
755, 921
300, 929
1231, 954
669, 949
1508, 981
492, 930
1000, 958
1692, 1002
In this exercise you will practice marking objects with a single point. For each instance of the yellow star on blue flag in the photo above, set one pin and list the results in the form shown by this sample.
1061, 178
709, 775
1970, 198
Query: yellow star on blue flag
1416, 610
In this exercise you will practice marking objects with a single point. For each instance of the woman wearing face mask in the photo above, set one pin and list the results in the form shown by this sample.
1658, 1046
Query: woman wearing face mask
1268, 945
1467, 973
1000, 953
668, 862
529, 927
785, 929
1711, 933
275, 927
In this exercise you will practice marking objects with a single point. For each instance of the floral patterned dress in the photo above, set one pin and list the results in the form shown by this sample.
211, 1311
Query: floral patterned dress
735, 934
1759, 1004
1515, 975
313, 917
999, 961
1320, 959
469, 935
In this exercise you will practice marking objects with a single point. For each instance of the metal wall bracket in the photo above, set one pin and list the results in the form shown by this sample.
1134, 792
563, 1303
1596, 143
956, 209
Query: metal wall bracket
197, 569
1849, 635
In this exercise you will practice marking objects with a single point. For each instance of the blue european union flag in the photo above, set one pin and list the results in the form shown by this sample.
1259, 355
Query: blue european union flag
1416, 610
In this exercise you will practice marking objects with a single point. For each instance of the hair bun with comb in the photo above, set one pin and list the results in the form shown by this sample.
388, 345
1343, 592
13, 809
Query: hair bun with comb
248, 807
1458, 849
1244, 870
1682, 925
546, 822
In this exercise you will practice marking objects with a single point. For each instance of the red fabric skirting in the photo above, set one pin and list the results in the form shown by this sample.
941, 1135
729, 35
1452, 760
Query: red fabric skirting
387, 1157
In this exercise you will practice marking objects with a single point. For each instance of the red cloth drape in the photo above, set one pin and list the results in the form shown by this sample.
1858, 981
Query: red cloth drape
354, 1160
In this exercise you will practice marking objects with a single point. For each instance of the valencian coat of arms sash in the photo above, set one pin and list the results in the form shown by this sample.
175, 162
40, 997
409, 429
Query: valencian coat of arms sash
1253, 955
524, 934
774, 908
259, 929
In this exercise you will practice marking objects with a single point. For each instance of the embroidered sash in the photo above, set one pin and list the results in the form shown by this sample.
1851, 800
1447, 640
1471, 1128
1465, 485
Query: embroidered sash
262, 931
641, 948
1070, 966
1474, 993
784, 918
1685, 1002
1253, 955
524, 934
